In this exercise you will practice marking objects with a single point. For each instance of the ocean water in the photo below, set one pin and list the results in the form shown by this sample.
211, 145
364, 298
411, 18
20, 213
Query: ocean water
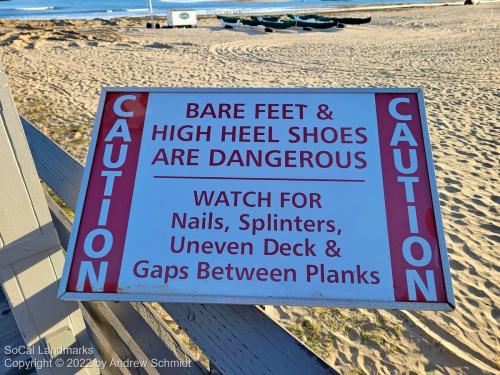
49, 9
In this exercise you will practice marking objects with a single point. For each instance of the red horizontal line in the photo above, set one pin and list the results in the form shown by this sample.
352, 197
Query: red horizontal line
259, 178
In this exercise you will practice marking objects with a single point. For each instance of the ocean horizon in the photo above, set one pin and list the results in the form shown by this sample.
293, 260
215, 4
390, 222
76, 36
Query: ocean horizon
89, 9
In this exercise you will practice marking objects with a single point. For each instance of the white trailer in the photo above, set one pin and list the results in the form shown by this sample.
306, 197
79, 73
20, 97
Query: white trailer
181, 18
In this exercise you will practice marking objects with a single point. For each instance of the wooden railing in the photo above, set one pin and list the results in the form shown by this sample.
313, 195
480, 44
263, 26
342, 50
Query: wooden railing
237, 339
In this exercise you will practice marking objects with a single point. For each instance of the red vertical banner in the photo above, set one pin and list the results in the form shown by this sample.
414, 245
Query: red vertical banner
102, 230
414, 246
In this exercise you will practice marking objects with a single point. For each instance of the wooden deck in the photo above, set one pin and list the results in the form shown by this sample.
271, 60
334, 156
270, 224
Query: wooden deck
9, 335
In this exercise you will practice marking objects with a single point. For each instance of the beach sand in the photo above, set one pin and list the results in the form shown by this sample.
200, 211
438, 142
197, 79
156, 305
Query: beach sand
56, 70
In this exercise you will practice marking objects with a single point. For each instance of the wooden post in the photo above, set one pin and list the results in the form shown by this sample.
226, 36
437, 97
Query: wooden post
31, 258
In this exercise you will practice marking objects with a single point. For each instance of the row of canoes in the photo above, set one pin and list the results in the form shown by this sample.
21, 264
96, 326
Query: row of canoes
307, 22
342, 20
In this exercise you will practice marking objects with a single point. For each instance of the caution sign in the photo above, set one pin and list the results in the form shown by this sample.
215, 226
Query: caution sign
273, 196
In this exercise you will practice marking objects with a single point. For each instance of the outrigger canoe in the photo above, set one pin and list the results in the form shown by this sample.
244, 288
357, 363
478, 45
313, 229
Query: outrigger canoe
265, 18
340, 20
277, 23
312, 23
316, 24
231, 22
351, 21
250, 22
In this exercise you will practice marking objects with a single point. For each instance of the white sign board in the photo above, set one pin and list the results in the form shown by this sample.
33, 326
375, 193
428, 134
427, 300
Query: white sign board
271, 196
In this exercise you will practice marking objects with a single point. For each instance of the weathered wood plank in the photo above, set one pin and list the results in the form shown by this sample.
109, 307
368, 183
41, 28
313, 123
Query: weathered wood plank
237, 339
51, 160
241, 339
31, 257
163, 331
106, 341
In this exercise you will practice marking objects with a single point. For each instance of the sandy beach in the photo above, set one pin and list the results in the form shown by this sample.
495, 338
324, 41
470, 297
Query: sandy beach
57, 68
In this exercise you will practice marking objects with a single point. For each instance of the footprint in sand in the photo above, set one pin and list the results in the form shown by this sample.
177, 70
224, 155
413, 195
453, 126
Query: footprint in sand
456, 265
491, 227
476, 292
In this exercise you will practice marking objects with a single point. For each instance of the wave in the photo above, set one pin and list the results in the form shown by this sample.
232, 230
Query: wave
32, 9
137, 10
247, 10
